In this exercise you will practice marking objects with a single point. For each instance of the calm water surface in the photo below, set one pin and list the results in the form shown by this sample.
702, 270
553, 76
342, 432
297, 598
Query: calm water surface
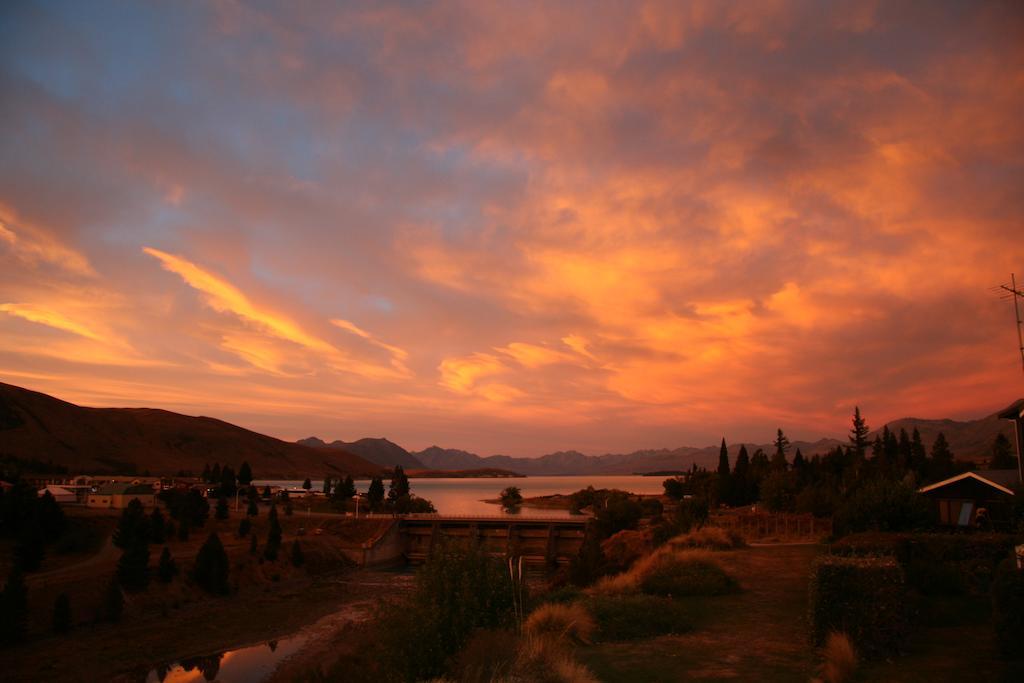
466, 496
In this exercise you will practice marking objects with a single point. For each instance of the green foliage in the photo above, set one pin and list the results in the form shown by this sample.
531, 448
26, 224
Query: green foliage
245, 474
628, 617
511, 497
1008, 608
778, 462
1003, 457
862, 597
859, 434
307, 484
375, 494
684, 577
133, 527
882, 505
273, 544
14, 609
779, 491
62, 614
168, 568
617, 511
253, 510
211, 566
344, 491
459, 590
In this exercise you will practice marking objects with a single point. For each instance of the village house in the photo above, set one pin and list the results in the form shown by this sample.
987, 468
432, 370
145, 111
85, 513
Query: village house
117, 495
959, 499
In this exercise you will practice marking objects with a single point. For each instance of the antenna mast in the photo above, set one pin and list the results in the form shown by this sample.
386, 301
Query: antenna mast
1011, 292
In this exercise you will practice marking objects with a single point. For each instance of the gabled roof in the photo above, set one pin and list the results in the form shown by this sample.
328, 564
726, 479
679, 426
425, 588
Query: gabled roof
984, 477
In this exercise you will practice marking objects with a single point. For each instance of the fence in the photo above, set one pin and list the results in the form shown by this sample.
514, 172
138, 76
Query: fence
752, 525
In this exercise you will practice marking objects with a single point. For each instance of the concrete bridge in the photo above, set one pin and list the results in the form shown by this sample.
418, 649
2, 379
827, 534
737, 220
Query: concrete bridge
538, 540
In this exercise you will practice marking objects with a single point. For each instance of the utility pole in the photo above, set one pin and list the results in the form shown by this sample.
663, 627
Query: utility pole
1008, 292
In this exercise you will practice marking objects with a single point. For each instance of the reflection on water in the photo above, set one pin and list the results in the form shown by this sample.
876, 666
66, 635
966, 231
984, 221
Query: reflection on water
465, 496
254, 663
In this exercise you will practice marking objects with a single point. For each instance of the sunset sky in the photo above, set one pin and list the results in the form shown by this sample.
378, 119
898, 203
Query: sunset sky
514, 227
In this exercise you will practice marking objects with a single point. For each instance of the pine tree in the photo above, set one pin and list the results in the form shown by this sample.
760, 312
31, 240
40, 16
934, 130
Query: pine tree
215, 473
222, 508
724, 476
245, 474
905, 450
51, 518
211, 566
273, 544
859, 435
1002, 454
168, 568
31, 548
207, 475
942, 458
779, 463
62, 614
254, 548
298, 559
800, 468
307, 484
244, 527
133, 527
228, 481
14, 609
328, 485
375, 494
253, 510
741, 478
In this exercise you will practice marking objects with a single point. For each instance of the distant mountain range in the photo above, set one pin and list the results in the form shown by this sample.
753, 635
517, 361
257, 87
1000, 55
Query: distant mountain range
379, 451
135, 440
37, 426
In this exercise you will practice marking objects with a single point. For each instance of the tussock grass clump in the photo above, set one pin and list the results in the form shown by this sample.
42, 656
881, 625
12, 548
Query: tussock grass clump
840, 658
627, 617
710, 538
560, 621
546, 661
684, 576
669, 571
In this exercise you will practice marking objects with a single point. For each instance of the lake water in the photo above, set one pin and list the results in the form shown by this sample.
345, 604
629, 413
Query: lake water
244, 665
466, 496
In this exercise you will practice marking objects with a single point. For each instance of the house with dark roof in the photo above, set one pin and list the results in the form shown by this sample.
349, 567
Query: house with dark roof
960, 499
117, 495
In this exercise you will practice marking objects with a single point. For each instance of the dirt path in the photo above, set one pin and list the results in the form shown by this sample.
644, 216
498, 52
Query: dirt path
759, 634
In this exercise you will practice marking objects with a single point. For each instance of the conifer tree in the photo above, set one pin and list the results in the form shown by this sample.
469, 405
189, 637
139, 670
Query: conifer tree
245, 474
31, 548
859, 435
298, 559
375, 494
14, 609
1002, 454
167, 568
254, 546
215, 473
942, 458
307, 484
724, 476
244, 526
62, 614
133, 527
741, 478
273, 544
211, 566
207, 475
133, 567
328, 485
183, 529
253, 510
779, 463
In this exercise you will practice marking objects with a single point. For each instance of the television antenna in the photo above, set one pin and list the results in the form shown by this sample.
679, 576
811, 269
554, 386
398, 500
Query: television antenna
1006, 293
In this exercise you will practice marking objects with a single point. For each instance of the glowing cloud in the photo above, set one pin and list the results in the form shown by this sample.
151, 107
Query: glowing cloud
50, 318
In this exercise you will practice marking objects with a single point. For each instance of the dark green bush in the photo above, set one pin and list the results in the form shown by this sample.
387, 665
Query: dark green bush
1008, 608
864, 597
936, 563
882, 505
674, 577
627, 617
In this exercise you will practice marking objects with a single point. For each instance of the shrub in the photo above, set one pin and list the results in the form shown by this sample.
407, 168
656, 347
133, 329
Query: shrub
560, 621
541, 660
882, 505
1008, 608
489, 655
679, 576
624, 548
862, 597
298, 559
167, 568
710, 538
626, 617
211, 566
840, 658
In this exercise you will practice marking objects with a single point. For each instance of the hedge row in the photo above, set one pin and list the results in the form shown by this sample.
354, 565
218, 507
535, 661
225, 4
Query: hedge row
935, 563
864, 597
1008, 608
